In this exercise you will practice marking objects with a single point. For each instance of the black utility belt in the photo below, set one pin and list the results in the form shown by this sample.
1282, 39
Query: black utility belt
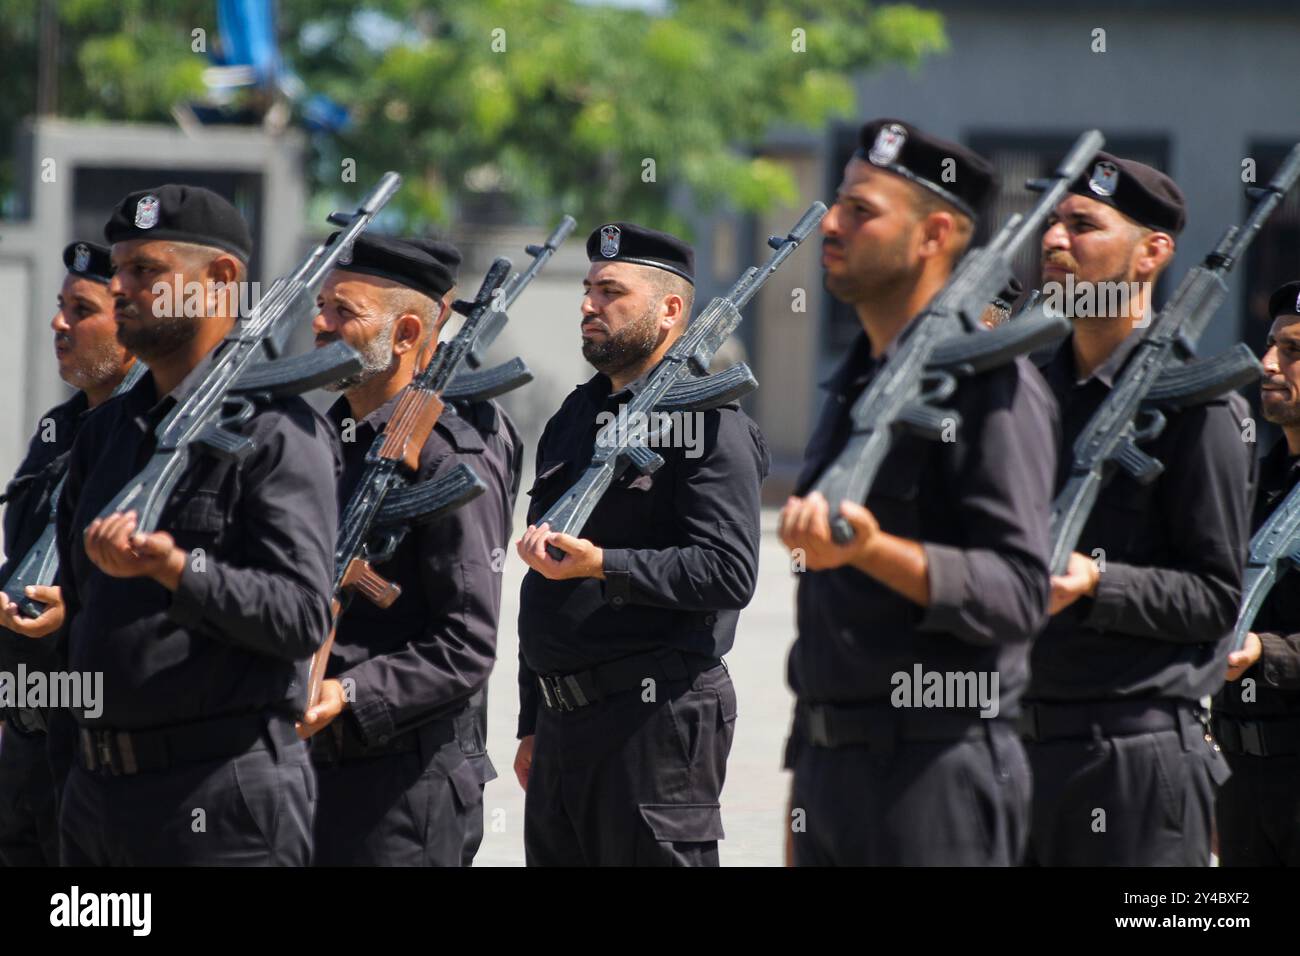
568, 692
127, 752
881, 726
1271, 737
341, 742
1085, 719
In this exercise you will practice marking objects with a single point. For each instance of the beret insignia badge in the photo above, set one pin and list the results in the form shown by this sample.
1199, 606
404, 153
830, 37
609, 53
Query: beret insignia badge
889, 141
146, 212
80, 258
1104, 179
609, 241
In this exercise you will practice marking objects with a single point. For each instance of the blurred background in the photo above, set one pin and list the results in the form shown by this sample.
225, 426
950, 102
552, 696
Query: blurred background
718, 119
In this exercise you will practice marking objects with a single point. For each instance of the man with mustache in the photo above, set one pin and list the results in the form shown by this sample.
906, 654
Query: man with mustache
202, 629
1120, 748
92, 361
626, 709
947, 570
398, 734
1257, 713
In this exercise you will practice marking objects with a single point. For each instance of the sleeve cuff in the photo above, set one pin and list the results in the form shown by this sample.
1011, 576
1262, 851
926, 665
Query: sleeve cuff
1281, 663
618, 579
946, 571
191, 596
1108, 603
371, 713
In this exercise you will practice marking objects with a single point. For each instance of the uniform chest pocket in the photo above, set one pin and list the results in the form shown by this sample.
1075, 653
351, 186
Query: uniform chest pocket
895, 495
198, 520
547, 487
1124, 523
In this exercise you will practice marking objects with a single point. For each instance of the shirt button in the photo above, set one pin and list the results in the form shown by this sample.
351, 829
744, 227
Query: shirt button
710, 618
383, 738
619, 601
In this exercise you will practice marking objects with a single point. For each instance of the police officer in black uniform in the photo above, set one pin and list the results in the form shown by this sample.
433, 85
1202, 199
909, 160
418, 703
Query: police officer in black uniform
946, 575
626, 710
1257, 713
202, 630
92, 361
1120, 747
398, 740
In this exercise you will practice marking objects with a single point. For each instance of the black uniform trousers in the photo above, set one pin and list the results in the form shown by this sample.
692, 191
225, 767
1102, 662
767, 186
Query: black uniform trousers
1258, 811
253, 809
1141, 799
28, 832
630, 781
959, 802
420, 807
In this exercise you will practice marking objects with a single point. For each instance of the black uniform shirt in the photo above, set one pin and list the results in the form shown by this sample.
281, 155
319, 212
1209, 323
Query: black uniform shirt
978, 504
252, 605
423, 657
1277, 672
28, 496
28, 499
1173, 550
681, 545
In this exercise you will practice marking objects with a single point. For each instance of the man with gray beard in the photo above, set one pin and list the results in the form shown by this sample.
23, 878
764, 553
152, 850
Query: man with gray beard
621, 640
92, 361
399, 734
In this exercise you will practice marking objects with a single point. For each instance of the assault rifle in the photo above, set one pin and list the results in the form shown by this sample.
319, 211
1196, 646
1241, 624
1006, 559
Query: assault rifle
248, 369
386, 501
1163, 373
679, 383
1274, 549
944, 342
40, 565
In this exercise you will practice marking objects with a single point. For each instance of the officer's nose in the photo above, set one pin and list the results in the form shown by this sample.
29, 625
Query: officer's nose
1056, 237
1270, 362
321, 323
830, 224
60, 322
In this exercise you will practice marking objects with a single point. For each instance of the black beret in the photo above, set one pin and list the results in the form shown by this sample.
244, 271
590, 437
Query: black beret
88, 260
966, 182
1285, 301
1010, 292
628, 242
1144, 194
185, 213
425, 265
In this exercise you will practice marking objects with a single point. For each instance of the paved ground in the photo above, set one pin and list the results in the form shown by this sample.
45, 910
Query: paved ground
753, 801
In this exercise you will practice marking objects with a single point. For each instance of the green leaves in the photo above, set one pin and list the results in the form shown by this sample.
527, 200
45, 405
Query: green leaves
531, 107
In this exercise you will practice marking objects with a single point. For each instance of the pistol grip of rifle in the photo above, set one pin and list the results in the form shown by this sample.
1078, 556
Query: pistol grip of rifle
555, 553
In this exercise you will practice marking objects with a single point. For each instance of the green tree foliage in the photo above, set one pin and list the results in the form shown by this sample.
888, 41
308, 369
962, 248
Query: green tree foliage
550, 104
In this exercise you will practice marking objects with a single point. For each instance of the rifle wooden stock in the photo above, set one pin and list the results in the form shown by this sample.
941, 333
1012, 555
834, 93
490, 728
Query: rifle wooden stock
412, 423
363, 579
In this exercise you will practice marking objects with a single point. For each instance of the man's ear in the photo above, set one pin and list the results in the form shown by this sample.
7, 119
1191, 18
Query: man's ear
407, 333
1155, 251
673, 308
223, 268
936, 230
